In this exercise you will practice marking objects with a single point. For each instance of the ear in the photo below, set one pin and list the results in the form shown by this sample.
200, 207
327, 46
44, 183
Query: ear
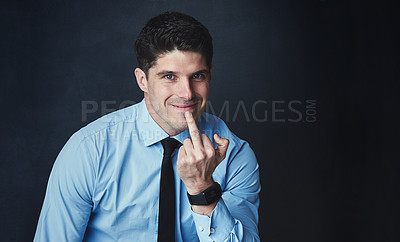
211, 70
141, 79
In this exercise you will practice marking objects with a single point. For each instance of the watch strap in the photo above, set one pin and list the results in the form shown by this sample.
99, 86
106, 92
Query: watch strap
206, 197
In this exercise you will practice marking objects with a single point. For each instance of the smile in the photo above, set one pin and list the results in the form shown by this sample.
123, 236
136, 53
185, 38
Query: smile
184, 108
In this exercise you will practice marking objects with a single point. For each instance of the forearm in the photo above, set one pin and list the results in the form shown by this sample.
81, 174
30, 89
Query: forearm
204, 210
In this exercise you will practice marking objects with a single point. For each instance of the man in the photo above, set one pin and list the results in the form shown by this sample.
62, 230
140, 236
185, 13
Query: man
111, 181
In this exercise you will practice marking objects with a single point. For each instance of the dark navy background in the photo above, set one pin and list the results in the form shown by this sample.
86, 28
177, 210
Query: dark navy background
312, 85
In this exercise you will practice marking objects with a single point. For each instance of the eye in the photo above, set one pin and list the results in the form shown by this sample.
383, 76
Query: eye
169, 77
198, 76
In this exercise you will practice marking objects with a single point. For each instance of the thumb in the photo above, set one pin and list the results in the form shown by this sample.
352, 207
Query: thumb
222, 147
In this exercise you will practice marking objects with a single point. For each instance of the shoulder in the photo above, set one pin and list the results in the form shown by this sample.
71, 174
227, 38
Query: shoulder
110, 121
109, 127
88, 143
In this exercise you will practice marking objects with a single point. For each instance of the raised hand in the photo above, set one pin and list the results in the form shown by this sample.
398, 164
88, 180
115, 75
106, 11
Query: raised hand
197, 158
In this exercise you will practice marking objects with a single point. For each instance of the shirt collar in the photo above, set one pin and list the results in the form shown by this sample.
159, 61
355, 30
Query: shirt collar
148, 129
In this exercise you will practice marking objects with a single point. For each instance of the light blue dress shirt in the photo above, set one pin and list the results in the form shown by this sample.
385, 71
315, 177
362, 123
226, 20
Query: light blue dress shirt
104, 185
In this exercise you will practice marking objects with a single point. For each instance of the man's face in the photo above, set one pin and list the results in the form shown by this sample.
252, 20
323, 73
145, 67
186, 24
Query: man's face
178, 82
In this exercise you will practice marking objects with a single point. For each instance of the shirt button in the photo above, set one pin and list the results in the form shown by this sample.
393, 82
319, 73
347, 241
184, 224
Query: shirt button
212, 230
201, 229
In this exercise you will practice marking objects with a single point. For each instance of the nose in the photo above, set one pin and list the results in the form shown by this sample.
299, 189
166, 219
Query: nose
184, 89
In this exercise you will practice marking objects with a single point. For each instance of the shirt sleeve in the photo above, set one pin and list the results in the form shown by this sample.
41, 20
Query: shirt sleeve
235, 218
67, 204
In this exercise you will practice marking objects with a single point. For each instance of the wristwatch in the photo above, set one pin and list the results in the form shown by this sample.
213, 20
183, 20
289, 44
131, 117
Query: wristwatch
207, 196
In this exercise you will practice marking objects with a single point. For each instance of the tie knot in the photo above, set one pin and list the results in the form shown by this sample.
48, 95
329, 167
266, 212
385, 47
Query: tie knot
169, 145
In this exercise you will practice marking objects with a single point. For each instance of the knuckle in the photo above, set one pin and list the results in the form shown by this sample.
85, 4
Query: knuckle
182, 163
210, 151
190, 159
187, 141
201, 155
195, 133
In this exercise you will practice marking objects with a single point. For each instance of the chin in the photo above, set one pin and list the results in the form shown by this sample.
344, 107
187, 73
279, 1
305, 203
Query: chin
179, 129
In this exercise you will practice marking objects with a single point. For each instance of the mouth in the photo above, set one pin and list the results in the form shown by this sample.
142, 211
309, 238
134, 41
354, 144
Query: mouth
184, 107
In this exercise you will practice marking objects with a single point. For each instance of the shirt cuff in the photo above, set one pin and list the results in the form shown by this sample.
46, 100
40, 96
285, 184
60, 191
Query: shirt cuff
216, 228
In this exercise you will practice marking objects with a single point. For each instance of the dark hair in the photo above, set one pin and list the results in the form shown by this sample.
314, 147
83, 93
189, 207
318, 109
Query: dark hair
169, 31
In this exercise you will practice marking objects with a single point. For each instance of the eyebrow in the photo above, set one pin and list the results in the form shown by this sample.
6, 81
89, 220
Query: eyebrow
204, 71
165, 72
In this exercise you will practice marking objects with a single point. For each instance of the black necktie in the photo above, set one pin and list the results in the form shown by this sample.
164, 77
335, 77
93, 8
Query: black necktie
166, 219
